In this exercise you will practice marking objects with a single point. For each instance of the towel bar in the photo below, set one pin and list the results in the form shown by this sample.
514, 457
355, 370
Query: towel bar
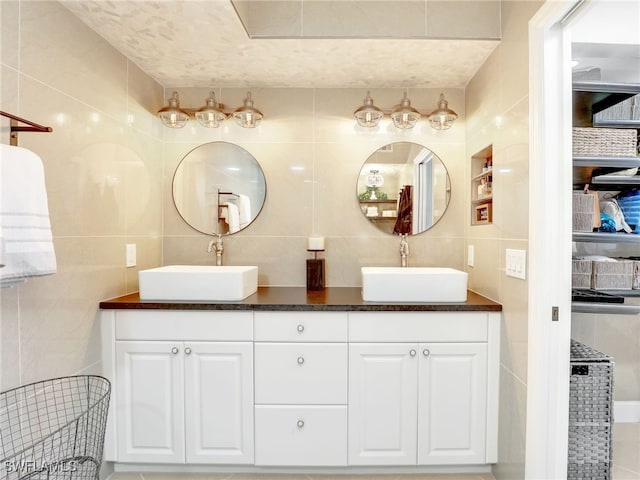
15, 128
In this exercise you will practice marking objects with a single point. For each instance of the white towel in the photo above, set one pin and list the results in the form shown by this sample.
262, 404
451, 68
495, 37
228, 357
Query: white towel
233, 217
244, 210
25, 229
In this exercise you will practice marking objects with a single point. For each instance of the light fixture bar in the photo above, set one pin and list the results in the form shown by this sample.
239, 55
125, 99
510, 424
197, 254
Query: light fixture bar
403, 115
211, 115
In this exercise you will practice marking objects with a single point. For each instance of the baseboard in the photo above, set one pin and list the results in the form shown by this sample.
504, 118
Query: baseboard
626, 412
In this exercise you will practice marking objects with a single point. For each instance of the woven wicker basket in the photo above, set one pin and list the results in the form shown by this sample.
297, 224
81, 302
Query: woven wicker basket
605, 142
590, 414
612, 275
581, 273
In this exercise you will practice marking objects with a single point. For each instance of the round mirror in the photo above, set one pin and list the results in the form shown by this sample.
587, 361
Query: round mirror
403, 188
219, 188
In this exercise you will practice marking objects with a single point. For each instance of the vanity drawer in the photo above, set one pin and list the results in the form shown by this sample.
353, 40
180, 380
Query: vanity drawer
300, 373
183, 325
418, 327
309, 435
300, 326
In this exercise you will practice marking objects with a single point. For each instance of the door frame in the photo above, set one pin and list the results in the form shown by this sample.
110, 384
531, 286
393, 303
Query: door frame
550, 240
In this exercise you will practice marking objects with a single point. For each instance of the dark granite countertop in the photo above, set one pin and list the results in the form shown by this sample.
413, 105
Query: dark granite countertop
299, 298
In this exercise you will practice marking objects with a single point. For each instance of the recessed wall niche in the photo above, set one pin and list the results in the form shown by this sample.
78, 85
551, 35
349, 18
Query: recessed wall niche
482, 187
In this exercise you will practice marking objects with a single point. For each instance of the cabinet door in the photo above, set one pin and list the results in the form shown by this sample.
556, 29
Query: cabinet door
219, 402
149, 402
452, 403
383, 391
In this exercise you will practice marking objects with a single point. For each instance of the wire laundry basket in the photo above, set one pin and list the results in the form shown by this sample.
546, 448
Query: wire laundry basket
54, 429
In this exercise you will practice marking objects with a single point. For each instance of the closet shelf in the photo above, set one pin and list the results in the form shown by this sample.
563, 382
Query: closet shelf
590, 98
600, 237
615, 181
605, 308
617, 123
603, 161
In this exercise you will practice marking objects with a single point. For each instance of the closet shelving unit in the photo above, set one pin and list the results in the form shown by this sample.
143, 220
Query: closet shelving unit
590, 98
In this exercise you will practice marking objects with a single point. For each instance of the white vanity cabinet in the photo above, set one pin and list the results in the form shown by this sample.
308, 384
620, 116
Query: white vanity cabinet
359, 389
183, 386
301, 388
423, 388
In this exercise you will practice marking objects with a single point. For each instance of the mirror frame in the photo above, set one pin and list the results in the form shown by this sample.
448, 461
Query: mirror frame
175, 174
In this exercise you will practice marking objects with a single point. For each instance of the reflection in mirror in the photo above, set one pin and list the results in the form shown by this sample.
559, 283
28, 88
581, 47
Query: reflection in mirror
403, 188
219, 188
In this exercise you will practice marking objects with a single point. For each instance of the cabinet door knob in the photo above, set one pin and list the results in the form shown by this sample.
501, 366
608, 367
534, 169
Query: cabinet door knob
300, 423
412, 352
426, 352
300, 360
187, 351
175, 350
300, 328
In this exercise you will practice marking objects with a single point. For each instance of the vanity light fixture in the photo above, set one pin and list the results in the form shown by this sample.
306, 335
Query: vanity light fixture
172, 115
211, 115
404, 116
368, 115
247, 116
442, 117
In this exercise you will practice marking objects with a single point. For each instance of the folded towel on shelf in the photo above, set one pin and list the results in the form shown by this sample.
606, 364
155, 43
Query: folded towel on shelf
25, 229
244, 210
233, 217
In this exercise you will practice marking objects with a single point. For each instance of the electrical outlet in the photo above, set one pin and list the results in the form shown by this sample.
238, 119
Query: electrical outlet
516, 263
130, 256
470, 255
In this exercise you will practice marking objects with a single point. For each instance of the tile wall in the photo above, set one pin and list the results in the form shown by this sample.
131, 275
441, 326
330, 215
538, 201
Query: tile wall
497, 113
311, 151
103, 169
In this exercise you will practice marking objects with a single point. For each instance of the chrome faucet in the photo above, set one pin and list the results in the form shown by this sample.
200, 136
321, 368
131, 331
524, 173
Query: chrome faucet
216, 245
404, 251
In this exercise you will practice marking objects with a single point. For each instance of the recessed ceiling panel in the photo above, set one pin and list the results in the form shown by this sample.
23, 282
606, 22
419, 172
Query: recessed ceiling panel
204, 44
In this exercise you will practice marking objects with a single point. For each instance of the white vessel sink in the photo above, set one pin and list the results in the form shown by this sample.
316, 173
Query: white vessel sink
413, 284
198, 282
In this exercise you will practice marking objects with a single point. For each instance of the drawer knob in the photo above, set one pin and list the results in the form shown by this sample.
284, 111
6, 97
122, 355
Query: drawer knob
412, 352
300, 423
175, 350
187, 351
301, 328
300, 360
426, 352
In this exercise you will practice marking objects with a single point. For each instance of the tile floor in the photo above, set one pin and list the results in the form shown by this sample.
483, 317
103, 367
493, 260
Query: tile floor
246, 476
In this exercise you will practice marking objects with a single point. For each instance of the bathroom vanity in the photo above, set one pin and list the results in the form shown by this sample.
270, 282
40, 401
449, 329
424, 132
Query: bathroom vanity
304, 380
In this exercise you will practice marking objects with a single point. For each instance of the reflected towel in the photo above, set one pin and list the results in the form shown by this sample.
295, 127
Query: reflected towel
233, 217
404, 220
244, 210
25, 229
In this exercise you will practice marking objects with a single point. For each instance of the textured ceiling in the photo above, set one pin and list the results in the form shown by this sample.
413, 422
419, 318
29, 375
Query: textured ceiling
203, 44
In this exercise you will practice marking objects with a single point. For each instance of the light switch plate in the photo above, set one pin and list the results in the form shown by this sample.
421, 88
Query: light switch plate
516, 263
131, 255
470, 252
